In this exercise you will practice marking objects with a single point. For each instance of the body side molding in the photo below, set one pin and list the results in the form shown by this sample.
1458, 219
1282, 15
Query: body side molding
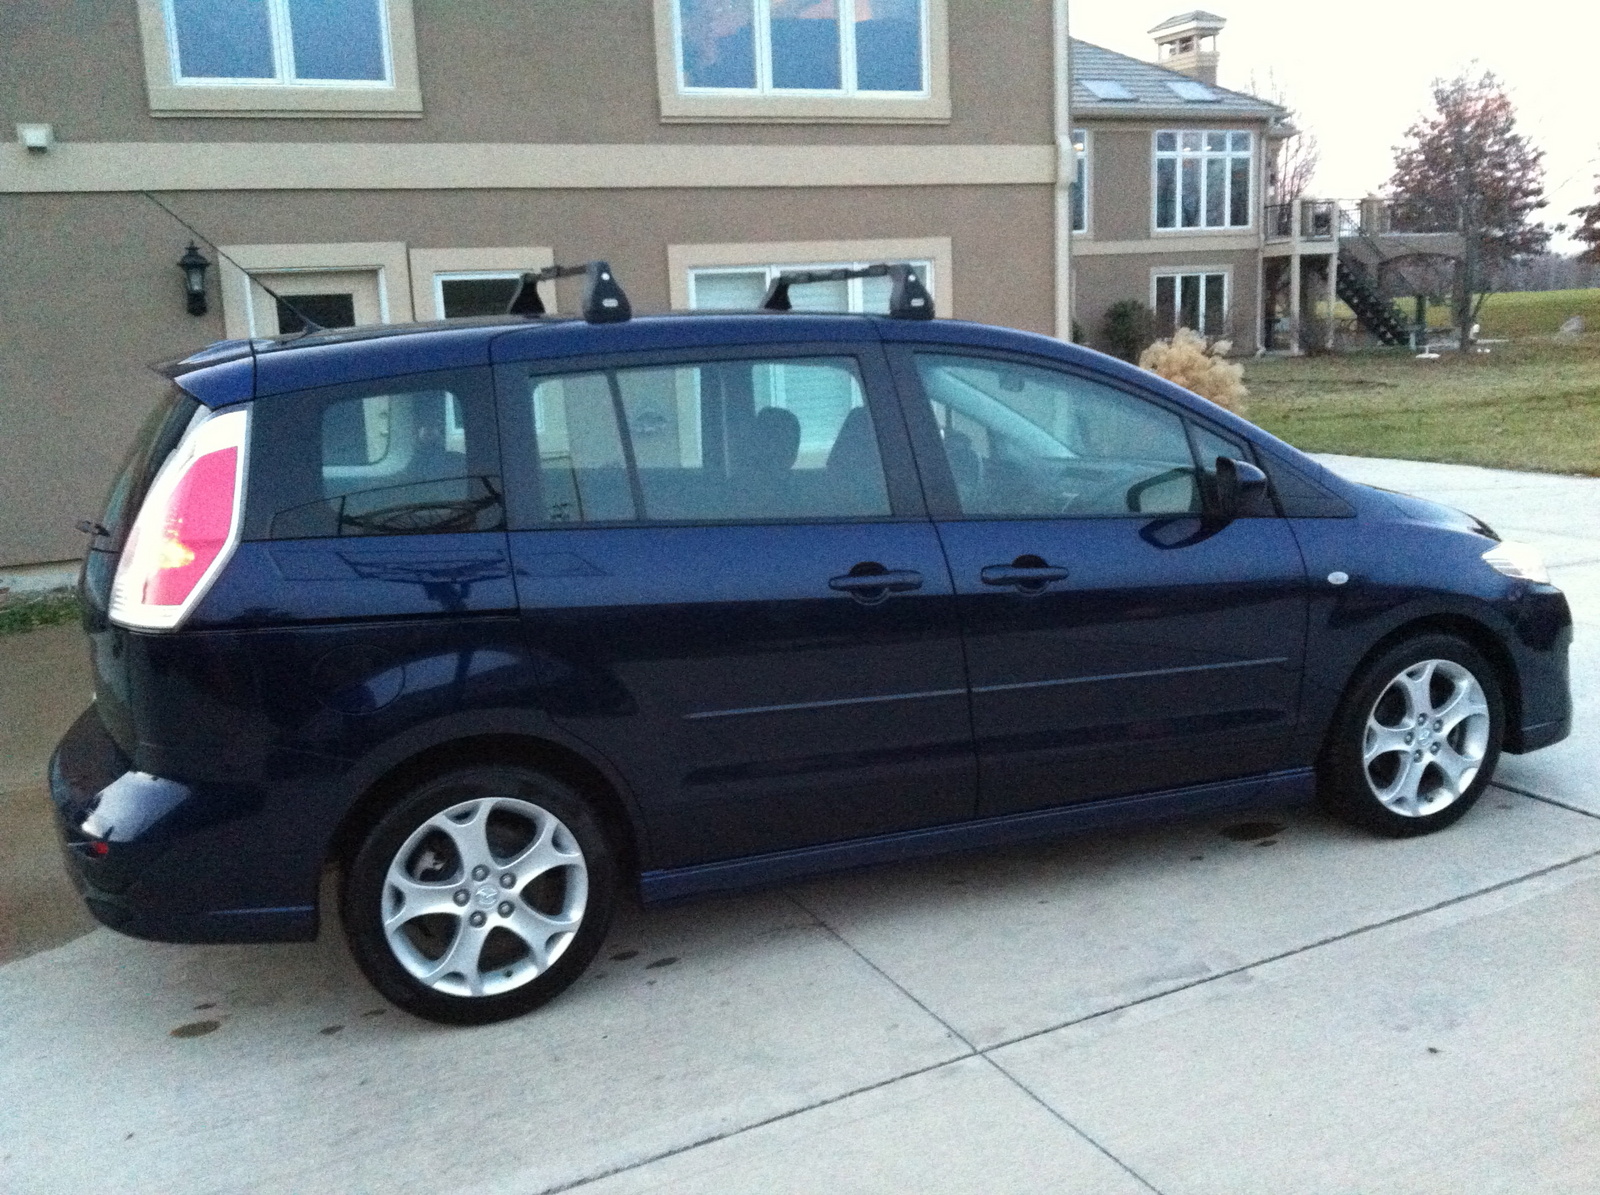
1273, 788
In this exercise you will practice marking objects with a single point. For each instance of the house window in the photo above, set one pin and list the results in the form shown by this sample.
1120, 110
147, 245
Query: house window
301, 58
458, 296
462, 283
741, 288
282, 43
1196, 301
828, 47
1080, 188
1203, 179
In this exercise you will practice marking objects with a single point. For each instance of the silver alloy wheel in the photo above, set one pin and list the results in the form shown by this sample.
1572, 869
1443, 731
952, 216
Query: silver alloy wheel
484, 896
1426, 737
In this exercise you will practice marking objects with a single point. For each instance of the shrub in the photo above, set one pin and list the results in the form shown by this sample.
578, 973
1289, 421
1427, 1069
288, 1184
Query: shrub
36, 610
1127, 328
1187, 360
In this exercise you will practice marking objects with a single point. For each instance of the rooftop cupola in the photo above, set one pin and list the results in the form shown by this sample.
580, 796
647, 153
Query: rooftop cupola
1188, 44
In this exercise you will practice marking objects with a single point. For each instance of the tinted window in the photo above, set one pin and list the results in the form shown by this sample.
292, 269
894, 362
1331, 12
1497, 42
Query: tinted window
720, 441
154, 442
1026, 442
404, 456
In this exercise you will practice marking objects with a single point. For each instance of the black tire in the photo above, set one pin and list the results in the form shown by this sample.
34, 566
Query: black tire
507, 799
1345, 785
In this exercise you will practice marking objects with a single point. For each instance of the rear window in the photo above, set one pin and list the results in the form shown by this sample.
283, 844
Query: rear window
154, 442
404, 456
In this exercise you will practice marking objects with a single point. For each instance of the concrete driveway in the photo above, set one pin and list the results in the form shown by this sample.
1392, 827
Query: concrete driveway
1284, 1006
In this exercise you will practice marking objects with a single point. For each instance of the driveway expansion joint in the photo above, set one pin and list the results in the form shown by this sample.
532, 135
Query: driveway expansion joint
1358, 931
974, 1050
1533, 796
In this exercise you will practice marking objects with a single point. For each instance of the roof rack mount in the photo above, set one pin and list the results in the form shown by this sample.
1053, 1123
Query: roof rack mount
908, 297
604, 301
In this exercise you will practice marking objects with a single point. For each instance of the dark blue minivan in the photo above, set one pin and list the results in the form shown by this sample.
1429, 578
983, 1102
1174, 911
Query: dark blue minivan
502, 616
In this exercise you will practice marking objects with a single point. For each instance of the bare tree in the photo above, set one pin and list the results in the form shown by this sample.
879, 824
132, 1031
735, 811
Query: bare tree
1295, 164
1464, 166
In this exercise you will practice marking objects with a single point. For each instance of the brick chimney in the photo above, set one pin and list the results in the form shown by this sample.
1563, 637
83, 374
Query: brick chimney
1188, 44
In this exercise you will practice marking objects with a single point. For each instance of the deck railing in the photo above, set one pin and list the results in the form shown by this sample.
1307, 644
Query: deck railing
1324, 219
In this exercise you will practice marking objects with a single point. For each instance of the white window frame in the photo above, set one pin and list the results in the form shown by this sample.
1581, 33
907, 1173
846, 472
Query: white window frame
1082, 152
469, 276
934, 253
398, 94
765, 103
762, 38
285, 75
1202, 272
430, 266
855, 288
1178, 156
239, 263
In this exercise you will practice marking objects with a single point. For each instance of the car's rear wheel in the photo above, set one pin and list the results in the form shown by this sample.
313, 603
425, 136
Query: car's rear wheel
480, 895
1416, 738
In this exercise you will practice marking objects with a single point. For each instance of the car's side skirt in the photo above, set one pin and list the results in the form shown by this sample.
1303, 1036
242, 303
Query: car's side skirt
1274, 788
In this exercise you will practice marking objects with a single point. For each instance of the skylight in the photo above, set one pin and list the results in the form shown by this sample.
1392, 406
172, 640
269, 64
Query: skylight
1107, 89
1193, 93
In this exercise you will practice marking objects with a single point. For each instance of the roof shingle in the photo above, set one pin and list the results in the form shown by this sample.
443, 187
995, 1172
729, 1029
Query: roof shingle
1148, 83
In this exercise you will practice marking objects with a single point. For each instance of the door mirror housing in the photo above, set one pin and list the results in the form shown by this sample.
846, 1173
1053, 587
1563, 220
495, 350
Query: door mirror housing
1239, 486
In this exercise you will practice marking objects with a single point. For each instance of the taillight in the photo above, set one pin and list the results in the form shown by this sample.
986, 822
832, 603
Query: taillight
187, 527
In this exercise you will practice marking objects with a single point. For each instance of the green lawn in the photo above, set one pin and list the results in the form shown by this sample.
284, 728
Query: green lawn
27, 613
1533, 404
1513, 316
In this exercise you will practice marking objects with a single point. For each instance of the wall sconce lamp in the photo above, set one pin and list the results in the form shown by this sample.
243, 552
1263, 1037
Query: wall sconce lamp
194, 265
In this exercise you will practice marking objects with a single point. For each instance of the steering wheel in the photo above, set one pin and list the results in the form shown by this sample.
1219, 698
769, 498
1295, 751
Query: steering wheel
436, 517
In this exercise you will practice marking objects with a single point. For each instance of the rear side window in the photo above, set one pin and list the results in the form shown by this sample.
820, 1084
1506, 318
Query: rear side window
724, 441
154, 442
404, 456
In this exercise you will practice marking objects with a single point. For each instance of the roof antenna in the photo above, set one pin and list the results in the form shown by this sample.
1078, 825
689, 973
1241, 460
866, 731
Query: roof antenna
310, 325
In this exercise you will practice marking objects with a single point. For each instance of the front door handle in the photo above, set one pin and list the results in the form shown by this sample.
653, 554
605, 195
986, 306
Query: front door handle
1030, 578
872, 587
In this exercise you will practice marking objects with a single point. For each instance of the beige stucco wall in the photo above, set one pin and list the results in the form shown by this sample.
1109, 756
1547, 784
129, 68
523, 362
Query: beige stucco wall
1120, 178
91, 293
1101, 281
558, 71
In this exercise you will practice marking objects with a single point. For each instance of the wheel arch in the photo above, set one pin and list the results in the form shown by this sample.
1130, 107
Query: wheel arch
554, 758
1474, 632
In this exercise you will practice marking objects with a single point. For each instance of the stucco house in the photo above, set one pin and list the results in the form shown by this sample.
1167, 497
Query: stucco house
396, 160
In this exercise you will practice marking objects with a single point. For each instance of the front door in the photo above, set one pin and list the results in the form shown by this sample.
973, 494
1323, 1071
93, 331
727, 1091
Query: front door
1119, 639
731, 590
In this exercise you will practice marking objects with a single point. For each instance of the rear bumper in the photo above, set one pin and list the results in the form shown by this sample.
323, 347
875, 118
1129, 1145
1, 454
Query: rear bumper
139, 848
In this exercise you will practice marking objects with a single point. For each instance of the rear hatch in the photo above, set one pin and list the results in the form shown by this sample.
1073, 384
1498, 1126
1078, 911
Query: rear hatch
155, 440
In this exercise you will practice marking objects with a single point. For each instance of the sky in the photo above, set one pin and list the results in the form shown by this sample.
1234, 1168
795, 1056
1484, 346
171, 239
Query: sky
1360, 73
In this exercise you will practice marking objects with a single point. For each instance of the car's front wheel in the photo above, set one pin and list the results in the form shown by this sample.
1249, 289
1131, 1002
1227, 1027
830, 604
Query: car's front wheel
1416, 738
480, 895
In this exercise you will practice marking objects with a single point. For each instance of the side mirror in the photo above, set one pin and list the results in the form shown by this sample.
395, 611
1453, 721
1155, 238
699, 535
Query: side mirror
1240, 485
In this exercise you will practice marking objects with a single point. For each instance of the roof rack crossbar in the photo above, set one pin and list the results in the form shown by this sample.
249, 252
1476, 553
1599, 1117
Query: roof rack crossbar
908, 297
604, 301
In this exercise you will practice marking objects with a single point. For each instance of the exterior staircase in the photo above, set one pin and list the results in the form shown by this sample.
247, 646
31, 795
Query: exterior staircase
1374, 313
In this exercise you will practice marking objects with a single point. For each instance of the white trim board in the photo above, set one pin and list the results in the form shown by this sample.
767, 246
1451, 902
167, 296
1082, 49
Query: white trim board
388, 166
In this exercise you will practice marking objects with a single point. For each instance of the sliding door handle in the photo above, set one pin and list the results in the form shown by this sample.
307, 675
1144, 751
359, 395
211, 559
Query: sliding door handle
894, 581
1028, 578
871, 588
